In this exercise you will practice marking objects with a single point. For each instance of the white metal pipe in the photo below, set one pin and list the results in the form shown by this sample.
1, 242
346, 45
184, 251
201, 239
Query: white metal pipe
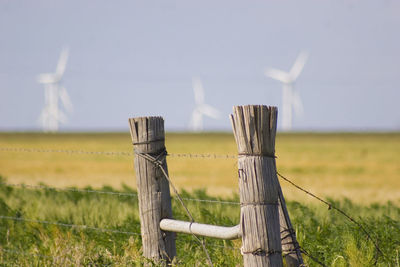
208, 230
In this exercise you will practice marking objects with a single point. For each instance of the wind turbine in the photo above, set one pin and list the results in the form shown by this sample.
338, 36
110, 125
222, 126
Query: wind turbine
196, 122
290, 97
53, 91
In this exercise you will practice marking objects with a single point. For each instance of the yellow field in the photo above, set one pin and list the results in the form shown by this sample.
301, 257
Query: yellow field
362, 167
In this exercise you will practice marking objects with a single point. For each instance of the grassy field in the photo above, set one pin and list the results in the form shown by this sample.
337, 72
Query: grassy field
362, 167
358, 172
326, 235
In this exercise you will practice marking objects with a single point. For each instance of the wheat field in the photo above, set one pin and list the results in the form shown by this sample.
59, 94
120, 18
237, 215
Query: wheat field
362, 167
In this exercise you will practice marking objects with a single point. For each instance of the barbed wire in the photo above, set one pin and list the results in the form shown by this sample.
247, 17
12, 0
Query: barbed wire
158, 163
178, 155
58, 189
70, 189
204, 156
116, 153
211, 201
84, 227
331, 206
113, 153
66, 151
315, 259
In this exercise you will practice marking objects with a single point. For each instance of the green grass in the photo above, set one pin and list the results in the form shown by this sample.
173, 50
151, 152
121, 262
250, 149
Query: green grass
325, 234
360, 173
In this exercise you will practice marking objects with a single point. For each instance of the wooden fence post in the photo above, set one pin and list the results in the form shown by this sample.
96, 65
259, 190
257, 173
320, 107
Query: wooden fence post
148, 139
254, 128
290, 246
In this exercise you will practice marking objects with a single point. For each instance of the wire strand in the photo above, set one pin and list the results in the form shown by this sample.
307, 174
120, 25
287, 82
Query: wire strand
37, 150
331, 206
69, 189
69, 225
112, 193
305, 252
210, 201
115, 153
158, 162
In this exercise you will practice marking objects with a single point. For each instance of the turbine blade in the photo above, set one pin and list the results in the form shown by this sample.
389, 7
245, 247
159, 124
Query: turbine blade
198, 91
278, 75
46, 78
209, 111
62, 62
65, 99
298, 65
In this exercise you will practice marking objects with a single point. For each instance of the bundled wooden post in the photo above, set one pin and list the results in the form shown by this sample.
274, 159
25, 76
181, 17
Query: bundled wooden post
153, 188
254, 128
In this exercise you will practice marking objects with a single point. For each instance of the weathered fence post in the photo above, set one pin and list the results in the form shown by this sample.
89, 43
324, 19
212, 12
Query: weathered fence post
148, 139
254, 128
290, 246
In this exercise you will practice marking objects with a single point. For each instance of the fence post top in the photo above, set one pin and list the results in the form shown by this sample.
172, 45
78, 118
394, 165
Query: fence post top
254, 128
147, 133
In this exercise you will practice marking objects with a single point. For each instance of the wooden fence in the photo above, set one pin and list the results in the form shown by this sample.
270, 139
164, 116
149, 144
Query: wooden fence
264, 226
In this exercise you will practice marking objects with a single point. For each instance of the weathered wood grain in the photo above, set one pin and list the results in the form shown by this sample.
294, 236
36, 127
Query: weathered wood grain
254, 129
153, 189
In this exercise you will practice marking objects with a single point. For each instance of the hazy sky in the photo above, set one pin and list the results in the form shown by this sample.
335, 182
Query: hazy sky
137, 58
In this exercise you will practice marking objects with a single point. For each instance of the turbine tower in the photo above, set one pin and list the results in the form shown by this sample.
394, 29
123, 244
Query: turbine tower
290, 97
196, 122
53, 91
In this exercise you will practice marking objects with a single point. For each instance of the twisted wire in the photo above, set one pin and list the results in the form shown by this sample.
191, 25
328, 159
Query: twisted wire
331, 206
158, 162
116, 153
